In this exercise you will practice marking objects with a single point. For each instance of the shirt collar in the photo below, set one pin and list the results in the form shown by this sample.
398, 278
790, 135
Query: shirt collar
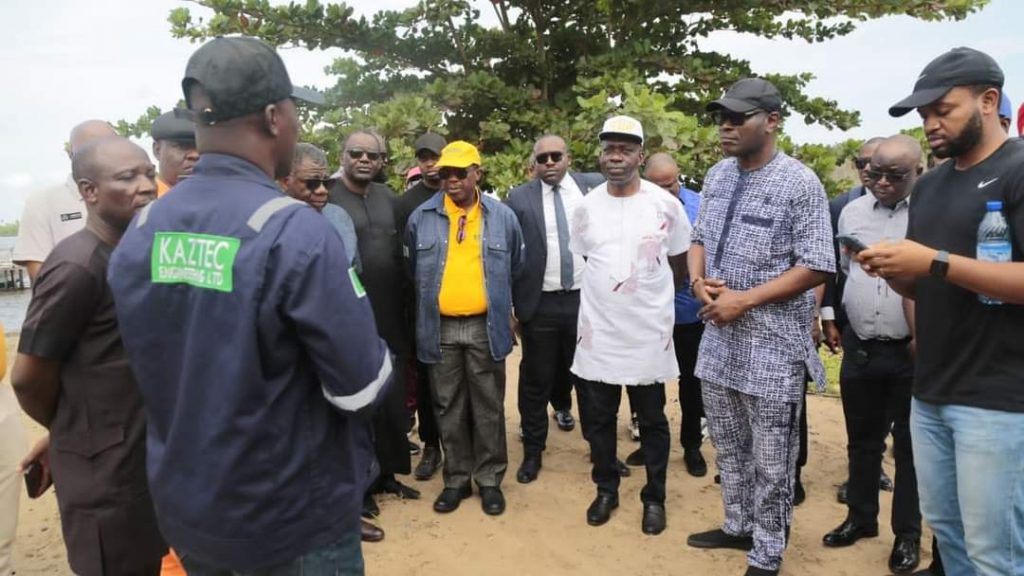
213, 164
905, 203
471, 213
563, 184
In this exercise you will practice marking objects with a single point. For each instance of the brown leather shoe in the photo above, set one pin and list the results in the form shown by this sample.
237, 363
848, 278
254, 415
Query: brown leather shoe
371, 533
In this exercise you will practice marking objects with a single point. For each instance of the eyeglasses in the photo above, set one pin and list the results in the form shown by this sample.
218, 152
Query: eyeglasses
314, 184
735, 118
460, 235
555, 157
861, 163
447, 172
892, 177
359, 154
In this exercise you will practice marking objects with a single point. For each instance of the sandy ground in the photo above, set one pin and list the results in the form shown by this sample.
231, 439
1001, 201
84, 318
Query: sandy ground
544, 530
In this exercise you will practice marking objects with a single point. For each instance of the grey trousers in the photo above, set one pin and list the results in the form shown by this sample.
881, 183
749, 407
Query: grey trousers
756, 442
468, 389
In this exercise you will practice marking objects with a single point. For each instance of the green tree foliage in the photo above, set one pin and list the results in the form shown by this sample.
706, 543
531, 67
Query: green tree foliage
550, 66
9, 228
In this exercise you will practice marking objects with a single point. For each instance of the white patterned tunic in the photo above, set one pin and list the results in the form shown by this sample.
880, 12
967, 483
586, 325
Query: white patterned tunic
626, 302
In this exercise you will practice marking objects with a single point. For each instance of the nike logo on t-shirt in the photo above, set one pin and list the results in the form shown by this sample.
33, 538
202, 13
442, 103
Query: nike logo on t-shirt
984, 183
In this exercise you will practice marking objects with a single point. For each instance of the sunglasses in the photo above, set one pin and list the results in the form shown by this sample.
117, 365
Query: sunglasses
314, 184
360, 154
447, 172
735, 118
861, 163
892, 177
555, 157
460, 235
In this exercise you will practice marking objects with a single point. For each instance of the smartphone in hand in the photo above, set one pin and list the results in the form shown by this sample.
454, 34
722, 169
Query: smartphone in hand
852, 243
34, 479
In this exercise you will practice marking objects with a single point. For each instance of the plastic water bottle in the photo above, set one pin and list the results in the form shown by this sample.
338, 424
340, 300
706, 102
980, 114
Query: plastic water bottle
993, 240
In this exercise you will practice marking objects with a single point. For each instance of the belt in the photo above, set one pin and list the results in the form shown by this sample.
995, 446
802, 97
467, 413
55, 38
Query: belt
887, 341
561, 292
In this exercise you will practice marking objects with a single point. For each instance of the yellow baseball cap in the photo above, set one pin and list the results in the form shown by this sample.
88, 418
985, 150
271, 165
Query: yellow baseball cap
459, 154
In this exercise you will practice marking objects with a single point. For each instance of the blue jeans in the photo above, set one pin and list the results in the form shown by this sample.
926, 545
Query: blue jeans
970, 471
342, 558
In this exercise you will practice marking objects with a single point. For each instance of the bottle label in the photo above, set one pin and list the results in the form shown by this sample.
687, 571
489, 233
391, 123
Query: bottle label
995, 252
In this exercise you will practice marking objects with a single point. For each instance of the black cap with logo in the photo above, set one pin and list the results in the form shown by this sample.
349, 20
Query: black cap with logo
240, 75
747, 95
958, 67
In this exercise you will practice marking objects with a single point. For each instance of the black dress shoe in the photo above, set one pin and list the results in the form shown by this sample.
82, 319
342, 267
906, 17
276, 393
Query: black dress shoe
600, 509
720, 539
906, 555
799, 494
429, 464
565, 420
450, 498
414, 448
370, 533
718, 478
390, 485
847, 533
695, 464
654, 518
623, 469
529, 469
492, 500
841, 492
755, 571
635, 458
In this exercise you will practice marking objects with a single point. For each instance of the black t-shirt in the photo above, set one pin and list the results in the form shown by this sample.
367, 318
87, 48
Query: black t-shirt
409, 201
968, 353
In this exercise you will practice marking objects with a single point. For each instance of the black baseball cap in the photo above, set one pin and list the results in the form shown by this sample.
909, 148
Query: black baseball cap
749, 94
958, 67
430, 141
241, 75
170, 126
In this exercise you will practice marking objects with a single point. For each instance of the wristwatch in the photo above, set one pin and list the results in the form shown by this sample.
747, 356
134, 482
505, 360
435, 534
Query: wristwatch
940, 265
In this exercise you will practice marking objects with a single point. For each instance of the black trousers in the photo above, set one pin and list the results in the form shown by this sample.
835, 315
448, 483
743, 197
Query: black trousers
686, 338
549, 343
876, 378
649, 403
425, 407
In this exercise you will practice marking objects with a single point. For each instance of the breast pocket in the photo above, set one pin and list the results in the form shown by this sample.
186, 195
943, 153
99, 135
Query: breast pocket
425, 255
752, 239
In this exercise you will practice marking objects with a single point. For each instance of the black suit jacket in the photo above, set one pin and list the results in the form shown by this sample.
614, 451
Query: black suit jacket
526, 201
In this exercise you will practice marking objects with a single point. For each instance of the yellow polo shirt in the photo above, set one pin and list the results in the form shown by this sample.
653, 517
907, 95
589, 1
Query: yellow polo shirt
462, 285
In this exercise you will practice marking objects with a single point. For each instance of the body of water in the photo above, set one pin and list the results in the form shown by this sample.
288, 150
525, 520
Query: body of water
13, 303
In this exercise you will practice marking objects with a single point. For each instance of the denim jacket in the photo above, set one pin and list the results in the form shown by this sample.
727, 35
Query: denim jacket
426, 250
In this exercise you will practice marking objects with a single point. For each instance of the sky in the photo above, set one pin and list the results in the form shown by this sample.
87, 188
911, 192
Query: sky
66, 61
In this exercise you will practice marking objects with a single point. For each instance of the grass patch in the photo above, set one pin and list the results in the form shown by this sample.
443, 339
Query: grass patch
832, 363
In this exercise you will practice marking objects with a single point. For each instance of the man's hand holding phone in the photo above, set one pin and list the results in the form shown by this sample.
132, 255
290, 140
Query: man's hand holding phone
35, 467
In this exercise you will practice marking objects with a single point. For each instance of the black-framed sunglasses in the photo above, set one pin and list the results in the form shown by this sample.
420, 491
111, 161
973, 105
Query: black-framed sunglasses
861, 163
722, 116
448, 171
555, 157
460, 234
357, 154
314, 184
892, 177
